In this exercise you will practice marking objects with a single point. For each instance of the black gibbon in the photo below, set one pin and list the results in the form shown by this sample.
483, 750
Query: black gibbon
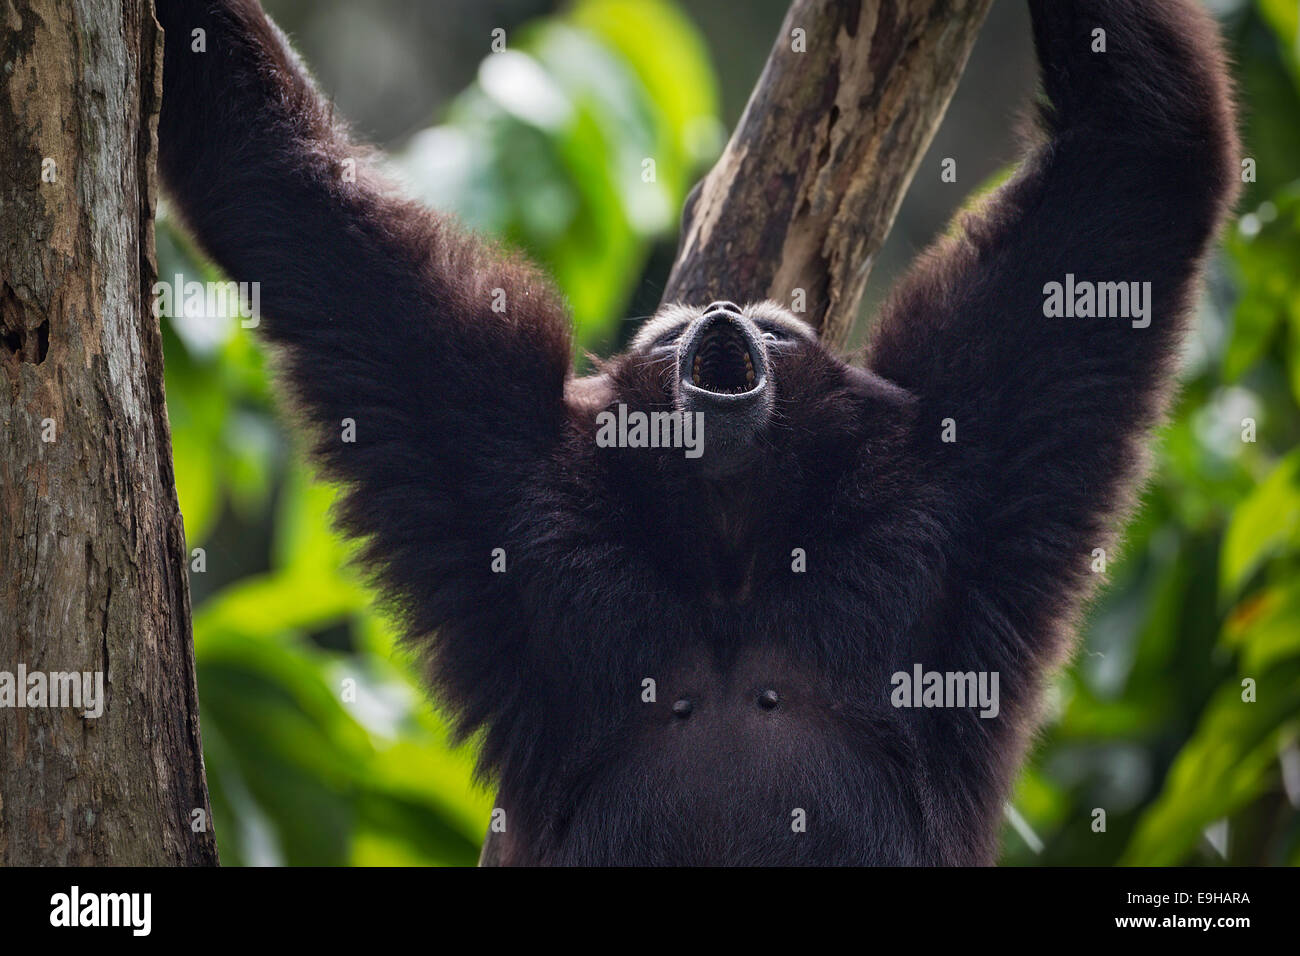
698, 649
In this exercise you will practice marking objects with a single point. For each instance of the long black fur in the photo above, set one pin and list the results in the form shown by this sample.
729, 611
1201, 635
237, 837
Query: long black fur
627, 564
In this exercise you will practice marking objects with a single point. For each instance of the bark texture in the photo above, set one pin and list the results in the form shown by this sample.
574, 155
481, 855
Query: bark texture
92, 554
808, 187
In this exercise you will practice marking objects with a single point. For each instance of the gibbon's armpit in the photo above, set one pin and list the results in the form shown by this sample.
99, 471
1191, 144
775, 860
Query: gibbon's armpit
700, 649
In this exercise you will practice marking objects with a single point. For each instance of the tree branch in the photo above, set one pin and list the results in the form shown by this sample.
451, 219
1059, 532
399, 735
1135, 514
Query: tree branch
807, 189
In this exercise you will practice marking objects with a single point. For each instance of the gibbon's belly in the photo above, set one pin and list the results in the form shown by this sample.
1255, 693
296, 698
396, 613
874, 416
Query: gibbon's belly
748, 765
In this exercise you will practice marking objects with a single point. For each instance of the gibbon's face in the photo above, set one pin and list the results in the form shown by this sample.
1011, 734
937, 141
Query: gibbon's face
725, 362
723, 353
729, 374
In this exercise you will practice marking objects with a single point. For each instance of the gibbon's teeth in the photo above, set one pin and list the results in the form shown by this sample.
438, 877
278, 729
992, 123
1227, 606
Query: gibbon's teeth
723, 363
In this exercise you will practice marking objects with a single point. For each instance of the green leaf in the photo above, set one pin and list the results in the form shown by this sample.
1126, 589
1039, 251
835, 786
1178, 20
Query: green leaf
1229, 761
392, 831
1266, 629
305, 540
1264, 248
1263, 525
1283, 16
197, 415
288, 742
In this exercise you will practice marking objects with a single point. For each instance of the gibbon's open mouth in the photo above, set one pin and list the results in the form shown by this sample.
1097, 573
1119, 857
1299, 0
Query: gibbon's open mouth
724, 378
723, 357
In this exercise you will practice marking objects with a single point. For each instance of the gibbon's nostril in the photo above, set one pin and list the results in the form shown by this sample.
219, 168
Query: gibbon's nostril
769, 699
683, 708
722, 306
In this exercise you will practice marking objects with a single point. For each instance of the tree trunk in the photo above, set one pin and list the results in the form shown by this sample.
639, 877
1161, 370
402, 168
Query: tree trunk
92, 553
808, 187
809, 184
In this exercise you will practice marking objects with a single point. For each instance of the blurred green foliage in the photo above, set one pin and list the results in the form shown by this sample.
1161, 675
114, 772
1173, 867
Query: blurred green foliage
320, 746
578, 144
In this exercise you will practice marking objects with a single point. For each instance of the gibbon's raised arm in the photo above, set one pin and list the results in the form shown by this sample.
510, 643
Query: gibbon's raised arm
1138, 169
383, 310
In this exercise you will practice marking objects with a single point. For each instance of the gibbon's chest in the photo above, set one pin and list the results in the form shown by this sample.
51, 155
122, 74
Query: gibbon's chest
756, 758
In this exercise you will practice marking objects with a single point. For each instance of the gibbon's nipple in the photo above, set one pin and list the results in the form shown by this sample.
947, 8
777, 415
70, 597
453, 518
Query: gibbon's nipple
767, 699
